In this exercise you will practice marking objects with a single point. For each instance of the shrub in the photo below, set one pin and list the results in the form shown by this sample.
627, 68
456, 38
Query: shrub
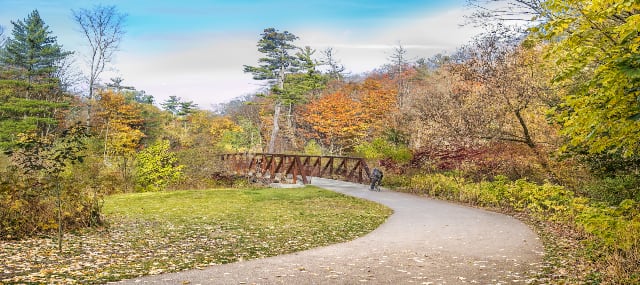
616, 227
395, 181
201, 169
156, 167
614, 190
438, 185
379, 149
29, 205
484, 162
312, 148
614, 237
38, 189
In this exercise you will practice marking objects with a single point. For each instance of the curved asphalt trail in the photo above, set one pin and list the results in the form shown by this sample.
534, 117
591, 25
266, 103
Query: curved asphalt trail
425, 241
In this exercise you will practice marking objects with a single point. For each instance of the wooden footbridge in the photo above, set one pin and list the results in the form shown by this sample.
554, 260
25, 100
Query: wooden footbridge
294, 167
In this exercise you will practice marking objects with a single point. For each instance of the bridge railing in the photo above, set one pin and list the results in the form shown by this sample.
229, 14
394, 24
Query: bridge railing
353, 169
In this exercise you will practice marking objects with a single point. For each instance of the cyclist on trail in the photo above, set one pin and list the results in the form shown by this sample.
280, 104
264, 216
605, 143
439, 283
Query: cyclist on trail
376, 179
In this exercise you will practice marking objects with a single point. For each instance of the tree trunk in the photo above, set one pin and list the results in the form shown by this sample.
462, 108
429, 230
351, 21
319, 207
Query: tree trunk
92, 82
525, 130
59, 198
89, 103
106, 140
276, 111
276, 126
529, 141
291, 127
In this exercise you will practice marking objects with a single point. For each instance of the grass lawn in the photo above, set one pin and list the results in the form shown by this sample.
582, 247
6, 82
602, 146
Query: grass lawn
152, 233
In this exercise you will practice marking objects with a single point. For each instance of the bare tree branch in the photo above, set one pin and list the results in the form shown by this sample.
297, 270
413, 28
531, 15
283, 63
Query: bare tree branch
103, 28
530, 11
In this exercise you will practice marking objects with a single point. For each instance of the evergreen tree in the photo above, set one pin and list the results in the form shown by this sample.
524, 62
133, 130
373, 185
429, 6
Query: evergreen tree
31, 97
33, 48
278, 61
308, 82
172, 104
186, 108
177, 107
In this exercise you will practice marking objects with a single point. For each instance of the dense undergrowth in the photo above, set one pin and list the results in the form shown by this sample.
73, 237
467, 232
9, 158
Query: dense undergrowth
601, 241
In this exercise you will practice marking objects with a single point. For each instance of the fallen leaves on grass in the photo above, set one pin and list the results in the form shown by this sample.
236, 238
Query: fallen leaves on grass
136, 246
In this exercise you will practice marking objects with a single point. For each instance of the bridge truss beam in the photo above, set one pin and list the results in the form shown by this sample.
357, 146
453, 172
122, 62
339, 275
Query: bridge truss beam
353, 169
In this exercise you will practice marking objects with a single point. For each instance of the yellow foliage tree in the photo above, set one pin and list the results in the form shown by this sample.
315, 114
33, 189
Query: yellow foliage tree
120, 125
220, 126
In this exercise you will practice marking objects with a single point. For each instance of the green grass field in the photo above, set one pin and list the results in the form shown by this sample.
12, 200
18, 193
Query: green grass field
151, 233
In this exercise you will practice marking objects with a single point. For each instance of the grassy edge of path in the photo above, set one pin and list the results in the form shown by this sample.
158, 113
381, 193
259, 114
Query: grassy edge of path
152, 233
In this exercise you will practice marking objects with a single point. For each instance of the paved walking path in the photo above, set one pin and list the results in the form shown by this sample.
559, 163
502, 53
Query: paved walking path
425, 241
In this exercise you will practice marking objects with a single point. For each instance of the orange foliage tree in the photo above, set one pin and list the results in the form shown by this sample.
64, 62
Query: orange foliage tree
378, 98
336, 120
352, 114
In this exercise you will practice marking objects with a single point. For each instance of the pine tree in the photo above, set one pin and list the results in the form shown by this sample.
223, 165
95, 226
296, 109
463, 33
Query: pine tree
278, 61
34, 49
31, 98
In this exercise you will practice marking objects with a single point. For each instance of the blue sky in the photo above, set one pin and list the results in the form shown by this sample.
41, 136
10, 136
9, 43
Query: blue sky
195, 49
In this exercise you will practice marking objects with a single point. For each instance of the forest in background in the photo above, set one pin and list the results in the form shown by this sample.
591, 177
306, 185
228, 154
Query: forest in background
542, 119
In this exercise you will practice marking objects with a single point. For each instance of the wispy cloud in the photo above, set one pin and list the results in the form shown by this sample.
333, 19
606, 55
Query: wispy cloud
196, 49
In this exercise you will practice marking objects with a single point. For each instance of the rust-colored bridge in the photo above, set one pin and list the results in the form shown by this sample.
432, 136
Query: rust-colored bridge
353, 169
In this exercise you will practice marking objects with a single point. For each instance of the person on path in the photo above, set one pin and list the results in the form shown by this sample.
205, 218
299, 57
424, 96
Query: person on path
376, 179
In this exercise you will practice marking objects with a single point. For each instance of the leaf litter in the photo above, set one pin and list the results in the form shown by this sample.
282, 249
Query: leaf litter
132, 247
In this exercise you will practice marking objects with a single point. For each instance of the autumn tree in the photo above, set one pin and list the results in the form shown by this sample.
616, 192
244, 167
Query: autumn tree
493, 92
235, 135
248, 112
248, 139
180, 127
157, 167
378, 98
220, 126
120, 125
511, 94
433, 113
279, 60
336, 120
197, 133
594, 46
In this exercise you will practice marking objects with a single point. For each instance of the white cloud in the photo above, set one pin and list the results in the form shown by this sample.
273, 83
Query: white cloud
422, 36
207, 72
207, 69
